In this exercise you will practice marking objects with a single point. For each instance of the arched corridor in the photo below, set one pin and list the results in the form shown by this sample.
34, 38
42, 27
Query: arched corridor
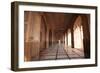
53, 36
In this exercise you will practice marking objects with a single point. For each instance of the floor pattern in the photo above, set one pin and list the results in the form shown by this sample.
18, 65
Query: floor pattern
59, 52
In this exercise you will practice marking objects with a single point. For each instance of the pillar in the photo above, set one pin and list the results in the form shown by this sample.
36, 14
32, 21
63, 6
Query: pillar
32, 43
72, 37
47, 38
86, 36
52, 37
36, 22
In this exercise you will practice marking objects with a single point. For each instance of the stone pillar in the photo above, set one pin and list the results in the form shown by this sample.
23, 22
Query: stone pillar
86, 36
32, 36
72, 37
36, 24
47, 38
52, 37
27, 24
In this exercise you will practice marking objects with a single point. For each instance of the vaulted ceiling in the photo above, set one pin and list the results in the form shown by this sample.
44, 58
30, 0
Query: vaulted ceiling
58, 22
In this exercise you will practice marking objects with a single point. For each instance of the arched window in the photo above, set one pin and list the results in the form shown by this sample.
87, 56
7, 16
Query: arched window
65, 40
78, 33
69, 38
